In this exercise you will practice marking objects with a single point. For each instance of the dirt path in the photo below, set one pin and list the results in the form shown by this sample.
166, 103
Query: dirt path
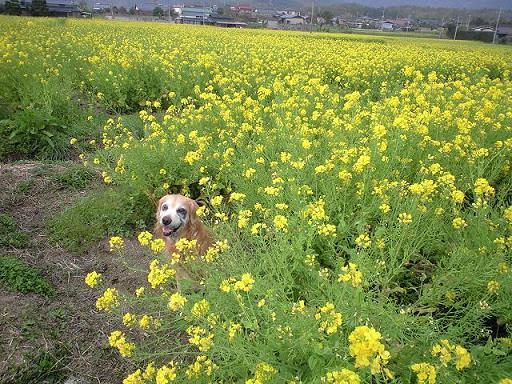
49, 340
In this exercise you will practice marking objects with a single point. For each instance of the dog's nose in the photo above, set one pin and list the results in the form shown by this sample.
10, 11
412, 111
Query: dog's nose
166, 220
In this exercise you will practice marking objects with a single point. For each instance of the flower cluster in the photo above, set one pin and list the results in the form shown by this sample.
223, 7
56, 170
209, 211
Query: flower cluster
329, 319
366, 348
448, 352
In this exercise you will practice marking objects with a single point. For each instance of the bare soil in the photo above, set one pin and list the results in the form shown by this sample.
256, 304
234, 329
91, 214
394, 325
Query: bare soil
66, 329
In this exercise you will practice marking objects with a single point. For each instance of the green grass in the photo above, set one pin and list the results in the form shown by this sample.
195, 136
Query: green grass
16, 275
42, 367
75, 177
10, 235
104, 213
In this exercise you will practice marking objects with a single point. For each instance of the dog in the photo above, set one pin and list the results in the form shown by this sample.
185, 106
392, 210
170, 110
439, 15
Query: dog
176, 219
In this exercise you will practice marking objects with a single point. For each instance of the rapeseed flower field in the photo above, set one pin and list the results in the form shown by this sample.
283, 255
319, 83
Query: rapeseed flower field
359, 190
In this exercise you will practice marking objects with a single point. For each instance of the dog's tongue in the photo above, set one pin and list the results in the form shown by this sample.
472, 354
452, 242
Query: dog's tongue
169, 231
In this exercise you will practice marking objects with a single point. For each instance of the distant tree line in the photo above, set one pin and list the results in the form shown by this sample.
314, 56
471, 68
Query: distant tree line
13, 7
475, 17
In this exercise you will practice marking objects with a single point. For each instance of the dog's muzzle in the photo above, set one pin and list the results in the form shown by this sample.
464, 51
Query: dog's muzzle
169, 228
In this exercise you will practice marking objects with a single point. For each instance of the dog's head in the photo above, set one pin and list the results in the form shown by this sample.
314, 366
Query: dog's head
175, 214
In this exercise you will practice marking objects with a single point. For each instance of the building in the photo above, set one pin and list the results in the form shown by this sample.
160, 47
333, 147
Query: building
242, 9
292, 19
225, 22
194, 15
58, 8
387, 25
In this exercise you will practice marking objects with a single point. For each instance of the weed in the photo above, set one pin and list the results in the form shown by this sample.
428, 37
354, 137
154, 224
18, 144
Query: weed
94, 217
19, 276
10, 235
75, 177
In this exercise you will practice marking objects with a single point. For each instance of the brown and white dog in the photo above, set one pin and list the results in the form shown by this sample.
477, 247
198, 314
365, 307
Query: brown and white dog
176, 219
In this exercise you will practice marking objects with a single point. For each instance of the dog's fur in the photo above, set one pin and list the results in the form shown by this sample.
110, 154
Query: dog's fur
176, 219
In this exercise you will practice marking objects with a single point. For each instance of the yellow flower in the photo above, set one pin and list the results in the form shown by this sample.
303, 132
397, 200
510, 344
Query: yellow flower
503, 267
73, 141
236, 196
201, 308
457, 196
462, 358
129, 319
200, 338
217, 200
144, 238
117, 340
483, 188
365, 346
459, 223
281, 223
385, 208
426, 373
344, 376
201, 366
92, 279
363, 241
405, 218
299, 307
351, 273
248, 173
329, 319
159, 275
327, 230
233, 329
262, 374
493, 286
134, 378
245, 283
176, 301
108, 300
145, 321
157, 245
201, 211
166, 373
447, 352
116, 243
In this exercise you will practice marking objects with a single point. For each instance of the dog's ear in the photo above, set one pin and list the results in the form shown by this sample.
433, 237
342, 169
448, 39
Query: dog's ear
192, 208
158, 228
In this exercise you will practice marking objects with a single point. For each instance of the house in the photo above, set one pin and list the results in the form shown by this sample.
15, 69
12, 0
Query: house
387, 25
264, 12
59, 8
243, 9
292, 19
483, 28
194, 15
224, 21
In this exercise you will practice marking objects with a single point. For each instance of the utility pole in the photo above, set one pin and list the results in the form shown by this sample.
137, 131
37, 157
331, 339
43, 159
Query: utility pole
312, 10
442, 27
469, 21
456, 29
496, 29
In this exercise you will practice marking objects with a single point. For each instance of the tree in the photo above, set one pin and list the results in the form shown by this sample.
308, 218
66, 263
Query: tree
327, 15
158, 12
39, 8
84, 6
123, 10
132, 11
12, 7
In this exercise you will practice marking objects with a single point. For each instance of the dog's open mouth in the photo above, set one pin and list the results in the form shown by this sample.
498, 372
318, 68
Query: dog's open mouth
168, 231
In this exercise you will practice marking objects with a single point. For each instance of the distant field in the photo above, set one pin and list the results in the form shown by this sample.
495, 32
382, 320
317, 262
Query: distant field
359, 189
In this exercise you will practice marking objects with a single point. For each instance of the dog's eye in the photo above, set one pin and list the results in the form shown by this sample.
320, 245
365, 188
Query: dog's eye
164, 207
181, 211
